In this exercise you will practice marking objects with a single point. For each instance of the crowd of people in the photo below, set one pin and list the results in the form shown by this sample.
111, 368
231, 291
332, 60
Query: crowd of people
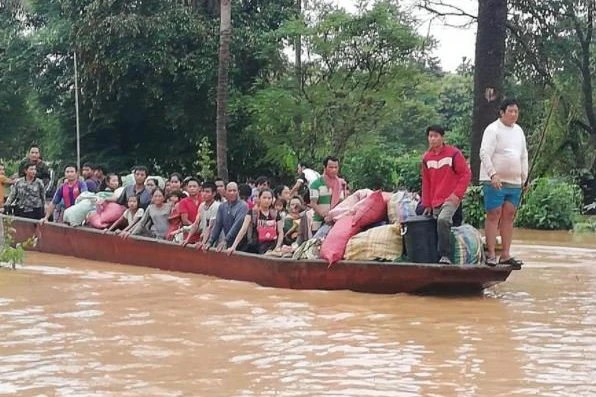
253, 217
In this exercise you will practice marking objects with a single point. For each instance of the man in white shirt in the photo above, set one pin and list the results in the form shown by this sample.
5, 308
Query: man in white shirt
306, 176
503, 173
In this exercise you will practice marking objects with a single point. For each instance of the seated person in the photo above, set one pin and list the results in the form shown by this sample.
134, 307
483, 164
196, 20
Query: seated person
229, 219
155, 219
264, 225
174, 219
131, 216
201, 227
292, 221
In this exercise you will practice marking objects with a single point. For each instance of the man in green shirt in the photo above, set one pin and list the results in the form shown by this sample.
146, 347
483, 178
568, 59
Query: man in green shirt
326, 192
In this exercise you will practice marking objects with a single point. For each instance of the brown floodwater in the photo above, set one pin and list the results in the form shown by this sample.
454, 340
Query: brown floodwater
71, 327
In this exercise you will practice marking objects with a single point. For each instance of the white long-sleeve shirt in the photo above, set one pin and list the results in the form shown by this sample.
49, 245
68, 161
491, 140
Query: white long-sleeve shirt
504, 152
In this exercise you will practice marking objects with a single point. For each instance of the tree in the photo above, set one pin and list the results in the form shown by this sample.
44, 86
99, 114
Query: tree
488, 72
222, 87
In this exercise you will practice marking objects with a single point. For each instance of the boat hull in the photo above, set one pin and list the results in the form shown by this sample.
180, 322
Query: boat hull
372, 277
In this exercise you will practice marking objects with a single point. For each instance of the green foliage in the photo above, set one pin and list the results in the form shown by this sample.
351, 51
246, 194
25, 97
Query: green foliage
205, 160
361, 77
408, 171
473, 206
371, 169
550, 204
11, 252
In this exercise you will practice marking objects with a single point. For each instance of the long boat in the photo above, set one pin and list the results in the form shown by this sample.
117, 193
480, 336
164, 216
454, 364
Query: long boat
365, 276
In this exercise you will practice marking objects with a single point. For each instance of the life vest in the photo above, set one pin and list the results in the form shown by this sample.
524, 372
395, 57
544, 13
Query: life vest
76, 191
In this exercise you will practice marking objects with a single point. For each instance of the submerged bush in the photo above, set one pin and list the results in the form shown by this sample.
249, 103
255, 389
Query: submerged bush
473, 207
550, 204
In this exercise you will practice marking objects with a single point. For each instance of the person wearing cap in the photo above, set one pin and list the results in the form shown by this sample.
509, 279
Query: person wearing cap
445, 179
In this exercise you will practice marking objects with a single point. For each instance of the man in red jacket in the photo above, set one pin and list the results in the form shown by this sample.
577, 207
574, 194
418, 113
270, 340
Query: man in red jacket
445, 178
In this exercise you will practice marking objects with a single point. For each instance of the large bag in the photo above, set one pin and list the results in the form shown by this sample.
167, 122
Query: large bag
379, 243
346, 207
371, 210
401, 206
334, 245
466, 245
76, 214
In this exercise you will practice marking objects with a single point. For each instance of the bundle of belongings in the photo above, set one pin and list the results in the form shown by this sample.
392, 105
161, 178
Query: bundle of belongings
368, 227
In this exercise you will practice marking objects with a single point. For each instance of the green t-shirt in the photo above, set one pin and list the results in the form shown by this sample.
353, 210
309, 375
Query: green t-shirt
320, 193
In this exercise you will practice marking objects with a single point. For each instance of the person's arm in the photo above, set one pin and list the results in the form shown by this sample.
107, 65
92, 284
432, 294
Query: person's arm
425, 196
115, 224
216, 227
314, 200
52, 206
296, 188
13, 195
524, 161
239, 220
142, 223
462, 170
241, 233
487, 150
280, 233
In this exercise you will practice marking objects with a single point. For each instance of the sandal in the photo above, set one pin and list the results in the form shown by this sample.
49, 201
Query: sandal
515, 263
491, 261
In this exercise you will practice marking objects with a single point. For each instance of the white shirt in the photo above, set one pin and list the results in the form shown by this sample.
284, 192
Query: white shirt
504, 152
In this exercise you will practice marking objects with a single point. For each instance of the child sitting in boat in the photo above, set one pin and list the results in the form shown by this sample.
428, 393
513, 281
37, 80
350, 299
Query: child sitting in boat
132, 216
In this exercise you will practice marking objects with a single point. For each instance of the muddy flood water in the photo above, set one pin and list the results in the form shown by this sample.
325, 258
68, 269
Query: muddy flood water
70, 327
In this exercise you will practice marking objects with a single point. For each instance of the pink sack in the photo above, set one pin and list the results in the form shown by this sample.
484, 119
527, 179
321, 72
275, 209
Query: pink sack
94, 220
371, 210
111, 212
346, 206
334, 245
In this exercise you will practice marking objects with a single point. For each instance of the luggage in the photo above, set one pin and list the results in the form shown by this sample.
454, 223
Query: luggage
334, 245
401, 206
380, 243
420, 236
466, 245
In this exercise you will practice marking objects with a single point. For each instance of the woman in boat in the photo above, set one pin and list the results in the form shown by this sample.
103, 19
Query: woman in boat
174, 219
264, 225
175, 182
155, 220
292, 221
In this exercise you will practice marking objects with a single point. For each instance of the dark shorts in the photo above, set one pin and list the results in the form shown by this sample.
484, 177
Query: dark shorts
35, 213
494, 198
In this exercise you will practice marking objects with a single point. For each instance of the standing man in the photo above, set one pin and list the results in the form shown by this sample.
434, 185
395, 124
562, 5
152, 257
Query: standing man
503, 173
138, 189
229, 219
88, 173
66, 192
206, 217
445, 179
306, 176
326, 192
34, 157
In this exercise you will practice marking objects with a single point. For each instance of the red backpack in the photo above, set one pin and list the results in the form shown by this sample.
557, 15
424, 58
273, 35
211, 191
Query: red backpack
264, 233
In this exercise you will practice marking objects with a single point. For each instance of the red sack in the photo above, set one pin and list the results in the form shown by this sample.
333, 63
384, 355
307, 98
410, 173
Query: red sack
371, 210
111, 212
94, 220
334, 245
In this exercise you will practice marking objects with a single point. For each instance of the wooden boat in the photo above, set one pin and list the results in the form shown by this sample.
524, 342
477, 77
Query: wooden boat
373, 277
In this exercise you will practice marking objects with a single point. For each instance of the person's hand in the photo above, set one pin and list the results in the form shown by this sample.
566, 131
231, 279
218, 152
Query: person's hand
105, 231
453, 199
230, 251
206, 247
125, 235
221, 246
496, 182
43, 220
328, 219
428, 211
199, 245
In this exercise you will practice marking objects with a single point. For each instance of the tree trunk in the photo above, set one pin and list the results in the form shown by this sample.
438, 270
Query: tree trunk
298, 51
488, 72
225, 32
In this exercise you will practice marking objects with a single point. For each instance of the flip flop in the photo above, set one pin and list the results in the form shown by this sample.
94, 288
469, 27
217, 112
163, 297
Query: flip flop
515, 263
491, 262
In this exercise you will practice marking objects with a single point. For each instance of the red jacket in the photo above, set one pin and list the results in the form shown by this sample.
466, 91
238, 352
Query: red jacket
444, 173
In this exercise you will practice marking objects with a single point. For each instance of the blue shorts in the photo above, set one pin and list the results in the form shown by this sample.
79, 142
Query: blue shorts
494, 198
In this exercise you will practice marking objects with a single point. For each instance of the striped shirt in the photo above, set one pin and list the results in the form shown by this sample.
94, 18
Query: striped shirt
321, 194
